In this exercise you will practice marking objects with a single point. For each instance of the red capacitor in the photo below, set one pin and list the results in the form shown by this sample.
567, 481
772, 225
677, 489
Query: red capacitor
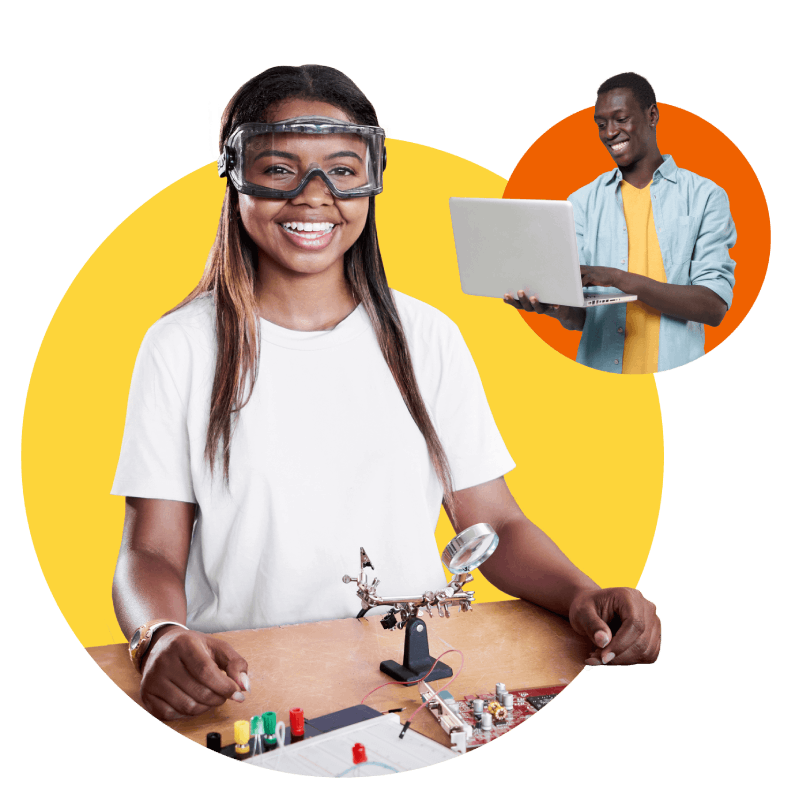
297, 721
358, 753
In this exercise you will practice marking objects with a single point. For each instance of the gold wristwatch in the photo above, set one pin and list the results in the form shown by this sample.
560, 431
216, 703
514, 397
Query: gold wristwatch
142, 638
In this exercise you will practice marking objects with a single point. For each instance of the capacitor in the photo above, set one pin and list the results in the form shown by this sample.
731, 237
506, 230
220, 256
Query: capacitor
452, 705
477, 706
485, 722
507, 701
241, 736
500, 688
501, 697
213, 741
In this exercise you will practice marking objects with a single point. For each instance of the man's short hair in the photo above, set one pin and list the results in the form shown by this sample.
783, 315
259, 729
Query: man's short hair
640, 87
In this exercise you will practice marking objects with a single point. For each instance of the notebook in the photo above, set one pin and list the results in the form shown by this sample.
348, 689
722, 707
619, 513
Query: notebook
507, 245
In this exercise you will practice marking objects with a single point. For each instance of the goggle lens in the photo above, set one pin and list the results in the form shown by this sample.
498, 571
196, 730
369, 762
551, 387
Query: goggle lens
281, 162
279, 159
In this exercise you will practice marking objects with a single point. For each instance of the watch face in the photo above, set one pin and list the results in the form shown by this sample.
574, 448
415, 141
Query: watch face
134, 642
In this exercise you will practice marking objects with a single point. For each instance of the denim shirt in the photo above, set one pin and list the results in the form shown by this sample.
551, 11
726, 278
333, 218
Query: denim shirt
695, 232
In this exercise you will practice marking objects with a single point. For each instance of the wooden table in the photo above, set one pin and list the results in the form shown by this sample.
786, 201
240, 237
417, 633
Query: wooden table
326, 666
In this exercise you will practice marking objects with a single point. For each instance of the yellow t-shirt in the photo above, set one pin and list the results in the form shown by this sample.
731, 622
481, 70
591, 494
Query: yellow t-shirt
642, 333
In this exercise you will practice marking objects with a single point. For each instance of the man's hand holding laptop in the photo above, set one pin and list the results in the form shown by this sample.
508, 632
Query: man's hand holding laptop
570, 317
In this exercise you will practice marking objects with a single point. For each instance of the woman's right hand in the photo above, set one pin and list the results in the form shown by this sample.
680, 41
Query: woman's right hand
569, 317
185, 673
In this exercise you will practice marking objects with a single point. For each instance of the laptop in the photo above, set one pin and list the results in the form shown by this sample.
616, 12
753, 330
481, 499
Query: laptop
507, 245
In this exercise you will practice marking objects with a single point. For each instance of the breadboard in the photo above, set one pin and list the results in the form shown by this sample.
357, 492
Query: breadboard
330, 754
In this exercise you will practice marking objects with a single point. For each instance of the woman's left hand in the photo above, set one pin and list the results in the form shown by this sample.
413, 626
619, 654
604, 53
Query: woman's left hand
637, 636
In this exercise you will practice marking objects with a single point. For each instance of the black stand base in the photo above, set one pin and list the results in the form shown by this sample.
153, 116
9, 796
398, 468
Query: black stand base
416, 661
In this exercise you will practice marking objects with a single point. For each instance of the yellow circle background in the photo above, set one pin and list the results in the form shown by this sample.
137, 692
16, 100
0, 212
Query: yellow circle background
588, 446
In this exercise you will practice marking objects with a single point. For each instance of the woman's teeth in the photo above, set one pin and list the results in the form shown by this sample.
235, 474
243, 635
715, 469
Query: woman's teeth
308, 230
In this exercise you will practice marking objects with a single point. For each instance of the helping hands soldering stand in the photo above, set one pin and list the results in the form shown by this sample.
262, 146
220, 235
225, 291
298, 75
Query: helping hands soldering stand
467, 551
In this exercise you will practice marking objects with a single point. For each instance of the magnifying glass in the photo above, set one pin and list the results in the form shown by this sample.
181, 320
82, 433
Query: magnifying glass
470, 548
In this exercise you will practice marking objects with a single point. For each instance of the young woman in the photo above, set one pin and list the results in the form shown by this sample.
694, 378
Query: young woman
294, 409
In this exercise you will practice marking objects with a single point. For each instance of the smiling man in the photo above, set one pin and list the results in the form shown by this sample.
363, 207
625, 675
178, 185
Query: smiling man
659, 231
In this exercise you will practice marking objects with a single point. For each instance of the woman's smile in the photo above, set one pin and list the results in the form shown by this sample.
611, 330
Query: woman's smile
309, 235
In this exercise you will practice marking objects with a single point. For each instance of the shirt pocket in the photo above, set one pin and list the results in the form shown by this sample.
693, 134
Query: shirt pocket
682, 239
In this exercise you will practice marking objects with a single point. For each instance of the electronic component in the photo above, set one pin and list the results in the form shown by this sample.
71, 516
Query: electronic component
312, 727
270, 726
524, 702
331, 754
358, 753
257, 734
472, 722
297, 723
241, 736
441, 707
539, 701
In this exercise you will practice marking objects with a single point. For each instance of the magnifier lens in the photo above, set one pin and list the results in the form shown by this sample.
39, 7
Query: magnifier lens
470, 548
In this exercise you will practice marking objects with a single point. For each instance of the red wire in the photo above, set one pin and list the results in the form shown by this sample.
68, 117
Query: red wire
460, 669
419, 680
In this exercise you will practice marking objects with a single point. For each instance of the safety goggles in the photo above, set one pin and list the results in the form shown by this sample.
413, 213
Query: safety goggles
278, 159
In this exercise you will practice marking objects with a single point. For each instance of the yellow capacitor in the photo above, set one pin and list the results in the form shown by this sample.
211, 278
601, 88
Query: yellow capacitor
241, 735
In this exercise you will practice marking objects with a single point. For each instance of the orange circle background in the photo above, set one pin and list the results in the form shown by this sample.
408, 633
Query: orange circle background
569, 155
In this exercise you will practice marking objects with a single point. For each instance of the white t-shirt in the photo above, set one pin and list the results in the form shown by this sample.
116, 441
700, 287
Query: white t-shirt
325, 459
